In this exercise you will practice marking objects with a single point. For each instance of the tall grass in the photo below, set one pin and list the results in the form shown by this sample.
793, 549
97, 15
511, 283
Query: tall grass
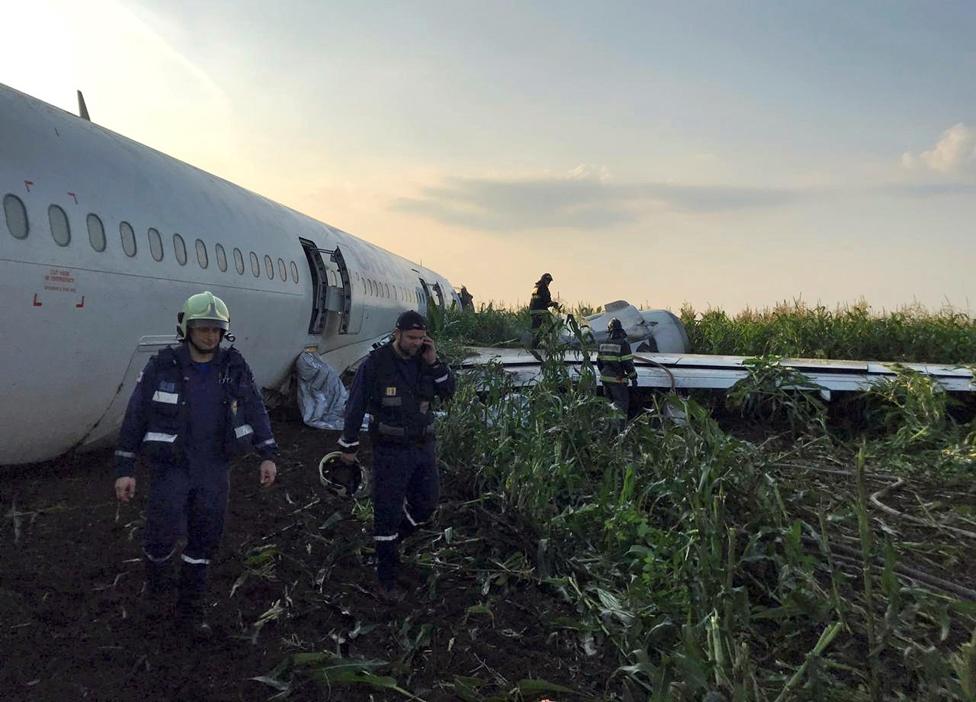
911, 334
849, 332
711, 565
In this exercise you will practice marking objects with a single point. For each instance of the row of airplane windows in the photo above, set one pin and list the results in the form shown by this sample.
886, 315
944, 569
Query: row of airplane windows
15, 214
17, 223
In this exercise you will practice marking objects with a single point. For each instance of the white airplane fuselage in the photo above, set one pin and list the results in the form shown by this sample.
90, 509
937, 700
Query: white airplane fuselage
81, 317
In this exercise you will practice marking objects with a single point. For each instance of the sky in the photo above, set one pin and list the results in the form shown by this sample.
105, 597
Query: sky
724, 155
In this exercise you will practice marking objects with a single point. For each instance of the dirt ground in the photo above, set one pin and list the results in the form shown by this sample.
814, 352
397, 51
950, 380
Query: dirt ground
293, 575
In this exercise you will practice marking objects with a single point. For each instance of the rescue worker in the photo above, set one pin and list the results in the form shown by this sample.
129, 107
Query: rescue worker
194, 407
396, 384
539, 305
616, 365
467, 300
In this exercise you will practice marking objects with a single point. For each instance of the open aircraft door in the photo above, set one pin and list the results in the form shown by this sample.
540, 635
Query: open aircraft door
427, 299
331, 291
108, 425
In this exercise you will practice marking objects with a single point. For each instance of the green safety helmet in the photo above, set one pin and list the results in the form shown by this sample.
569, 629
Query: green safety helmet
204, 308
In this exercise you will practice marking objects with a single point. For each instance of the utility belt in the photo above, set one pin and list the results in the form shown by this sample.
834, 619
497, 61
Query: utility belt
388, 434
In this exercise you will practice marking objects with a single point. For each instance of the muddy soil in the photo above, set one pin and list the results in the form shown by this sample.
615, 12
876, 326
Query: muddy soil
294, 575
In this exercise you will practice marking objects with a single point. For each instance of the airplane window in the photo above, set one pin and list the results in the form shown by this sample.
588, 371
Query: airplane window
282, 271
269, 267
202, 254
294, 272
180, 248
363, 281
239, 261
155, 244
60, 230
387, 287
16, 215
221, 257
96, 232
128, 238
255, 265
372, 287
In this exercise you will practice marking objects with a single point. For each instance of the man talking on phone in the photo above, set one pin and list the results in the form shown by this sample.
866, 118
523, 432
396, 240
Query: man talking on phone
396, 384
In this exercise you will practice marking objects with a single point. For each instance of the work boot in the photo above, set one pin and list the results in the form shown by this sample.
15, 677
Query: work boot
189, 606
190, 618
389, 593
156, 602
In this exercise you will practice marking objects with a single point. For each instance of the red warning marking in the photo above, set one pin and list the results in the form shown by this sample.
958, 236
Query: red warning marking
81, 304
37, 303
74, 197
28, 184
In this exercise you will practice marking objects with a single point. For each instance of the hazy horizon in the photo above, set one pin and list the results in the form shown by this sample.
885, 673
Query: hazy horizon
716, 155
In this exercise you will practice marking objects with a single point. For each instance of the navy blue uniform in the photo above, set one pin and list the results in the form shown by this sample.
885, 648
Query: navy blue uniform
397, 392
189, 419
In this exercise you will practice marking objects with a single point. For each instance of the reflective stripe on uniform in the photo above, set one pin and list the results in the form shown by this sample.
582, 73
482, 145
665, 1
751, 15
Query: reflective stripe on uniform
269, 442
410, 519
386, 538
124, 454
169, 398
442, 378
243, 430
195, 561
156, 436
159, 559
347, 444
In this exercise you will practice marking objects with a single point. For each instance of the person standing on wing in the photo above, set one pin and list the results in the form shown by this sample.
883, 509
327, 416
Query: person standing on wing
539, 305
467, 300
615, 362
194, 407
396, 384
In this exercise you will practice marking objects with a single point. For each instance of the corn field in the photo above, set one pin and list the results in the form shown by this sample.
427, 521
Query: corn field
773, 554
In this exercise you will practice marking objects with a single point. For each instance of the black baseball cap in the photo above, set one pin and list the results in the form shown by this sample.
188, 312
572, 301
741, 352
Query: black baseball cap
411, 320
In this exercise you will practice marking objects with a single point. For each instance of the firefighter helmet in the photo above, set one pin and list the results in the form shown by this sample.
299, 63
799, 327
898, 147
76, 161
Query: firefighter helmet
345, 479
203, 309
615, 327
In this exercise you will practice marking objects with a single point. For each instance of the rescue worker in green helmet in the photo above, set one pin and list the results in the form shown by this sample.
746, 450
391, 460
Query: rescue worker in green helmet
194, 407
539, 305
615, 361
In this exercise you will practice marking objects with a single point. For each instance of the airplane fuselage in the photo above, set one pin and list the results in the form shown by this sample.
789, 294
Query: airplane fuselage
101, 241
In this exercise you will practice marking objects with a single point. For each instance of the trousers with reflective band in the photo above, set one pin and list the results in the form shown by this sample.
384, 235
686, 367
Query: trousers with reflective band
186, 501
405, 489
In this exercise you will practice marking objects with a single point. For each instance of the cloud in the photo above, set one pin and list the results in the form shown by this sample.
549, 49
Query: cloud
929, 190
953, 153
586, 198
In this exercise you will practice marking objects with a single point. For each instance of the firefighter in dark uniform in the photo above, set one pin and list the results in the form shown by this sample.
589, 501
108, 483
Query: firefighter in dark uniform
194, 407
539, 305
616, 365
467, 300
396, 384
